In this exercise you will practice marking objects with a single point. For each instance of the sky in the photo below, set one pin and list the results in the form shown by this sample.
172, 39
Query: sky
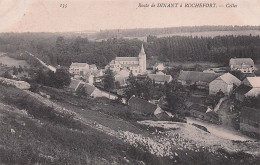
96, 15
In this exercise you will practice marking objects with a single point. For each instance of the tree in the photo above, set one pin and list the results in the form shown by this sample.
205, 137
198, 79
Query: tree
15, 71
7, 75
109, 81
62, 78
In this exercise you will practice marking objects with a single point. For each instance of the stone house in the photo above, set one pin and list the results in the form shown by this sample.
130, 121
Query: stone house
244, 65
225, 83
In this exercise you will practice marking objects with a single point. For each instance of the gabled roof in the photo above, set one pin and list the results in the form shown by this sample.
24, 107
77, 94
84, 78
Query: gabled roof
160, 78
199, 108
242, 89
143, 105
74, 84
112, 62
127, 59
251, 114
229, 79
239, 62
157, 64
92, 66
76, 64
253, 81
89, 89
195, 76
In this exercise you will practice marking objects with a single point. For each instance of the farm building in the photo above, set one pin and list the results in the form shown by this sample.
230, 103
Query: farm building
250, 88
244, 65
75, 84
225, 83
18, 84
204, 113
160, 78
200, 79
141, 106
250, 120
95, 92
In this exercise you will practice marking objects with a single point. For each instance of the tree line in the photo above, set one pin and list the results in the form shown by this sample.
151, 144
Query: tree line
63, 50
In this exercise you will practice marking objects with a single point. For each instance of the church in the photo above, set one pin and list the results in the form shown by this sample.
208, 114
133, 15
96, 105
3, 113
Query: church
135, 64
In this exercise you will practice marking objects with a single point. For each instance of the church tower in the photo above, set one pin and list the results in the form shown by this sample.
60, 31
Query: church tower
142, 60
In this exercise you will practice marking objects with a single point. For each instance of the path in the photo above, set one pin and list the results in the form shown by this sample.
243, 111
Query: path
220, 131
52, 68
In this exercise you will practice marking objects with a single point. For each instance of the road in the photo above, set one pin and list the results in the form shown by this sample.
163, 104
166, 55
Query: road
220, 131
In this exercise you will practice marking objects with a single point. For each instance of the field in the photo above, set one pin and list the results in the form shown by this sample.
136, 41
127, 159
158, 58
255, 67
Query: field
10, 62
202, 34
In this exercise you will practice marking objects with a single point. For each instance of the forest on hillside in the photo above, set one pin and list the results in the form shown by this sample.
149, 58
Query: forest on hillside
62, 50
142, 32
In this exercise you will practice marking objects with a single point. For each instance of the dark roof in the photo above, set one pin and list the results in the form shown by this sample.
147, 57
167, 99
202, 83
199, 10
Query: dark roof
199, 108
127, 59
141, 105
74, 84
89, 89
242, 89
251, 114
160, 78
195, 76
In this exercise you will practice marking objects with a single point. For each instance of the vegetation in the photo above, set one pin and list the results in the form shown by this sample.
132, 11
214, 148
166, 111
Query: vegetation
59, 79
59, 50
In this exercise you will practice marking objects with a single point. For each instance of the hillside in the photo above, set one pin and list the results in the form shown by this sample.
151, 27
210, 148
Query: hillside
68, 129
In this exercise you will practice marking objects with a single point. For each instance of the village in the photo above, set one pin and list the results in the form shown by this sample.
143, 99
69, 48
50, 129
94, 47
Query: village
199, 105
222, 96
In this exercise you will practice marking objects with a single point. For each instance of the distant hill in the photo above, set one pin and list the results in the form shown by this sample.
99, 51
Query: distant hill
205, 31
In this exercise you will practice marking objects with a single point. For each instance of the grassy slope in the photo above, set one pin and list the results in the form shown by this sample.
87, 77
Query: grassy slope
51, 138
45, 141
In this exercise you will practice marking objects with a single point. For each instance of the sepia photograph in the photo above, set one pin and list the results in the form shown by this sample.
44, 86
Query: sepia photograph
129, 82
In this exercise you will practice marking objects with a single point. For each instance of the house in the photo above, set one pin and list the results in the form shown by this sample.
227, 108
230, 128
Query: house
250, 88
135, 64
79, 68
244, 65
204, 113
158, 67
93, 67
122, 76
160, 114
75, 84
225, 83
250, 120
18, 84
200, 79
141, 106
96, 92
159, 78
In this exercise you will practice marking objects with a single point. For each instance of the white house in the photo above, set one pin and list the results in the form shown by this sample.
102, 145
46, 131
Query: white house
244, 65
158, 66
79, 68
122, 76
95, 92
224, 83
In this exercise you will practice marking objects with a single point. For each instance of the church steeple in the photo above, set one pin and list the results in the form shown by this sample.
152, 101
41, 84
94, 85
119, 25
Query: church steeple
142, 50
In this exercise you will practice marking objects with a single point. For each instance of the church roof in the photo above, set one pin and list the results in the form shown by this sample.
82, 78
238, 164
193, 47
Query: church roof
142, 50
127, 59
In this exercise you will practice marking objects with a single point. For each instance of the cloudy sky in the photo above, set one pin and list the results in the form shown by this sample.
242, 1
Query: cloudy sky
90, 15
